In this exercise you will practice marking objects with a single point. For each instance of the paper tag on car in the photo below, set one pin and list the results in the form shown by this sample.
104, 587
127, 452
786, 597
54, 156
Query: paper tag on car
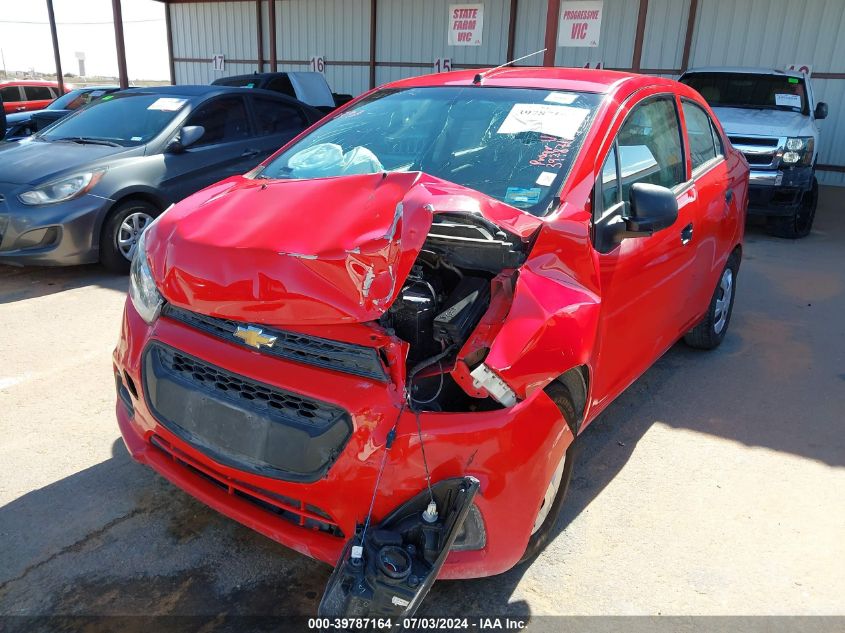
788, 100
555, 120
563, 98
546, 178
167, 104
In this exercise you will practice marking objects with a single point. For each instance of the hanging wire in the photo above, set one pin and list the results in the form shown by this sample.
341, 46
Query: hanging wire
391, 436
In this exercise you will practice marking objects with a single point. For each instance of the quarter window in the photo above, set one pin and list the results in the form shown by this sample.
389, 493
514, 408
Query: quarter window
610, 182
223, 119
649, 146
700, 134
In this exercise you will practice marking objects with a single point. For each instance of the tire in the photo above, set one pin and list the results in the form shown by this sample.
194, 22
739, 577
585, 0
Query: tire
711, 330
541, 536
121, 231
800, 223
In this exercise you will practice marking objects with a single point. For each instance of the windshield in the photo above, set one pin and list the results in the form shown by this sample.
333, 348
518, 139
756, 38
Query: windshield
76, 98
513, 144
120, 119
748, 90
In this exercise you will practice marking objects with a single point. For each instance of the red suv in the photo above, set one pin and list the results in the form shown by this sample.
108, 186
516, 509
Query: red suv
379, 346
22, 96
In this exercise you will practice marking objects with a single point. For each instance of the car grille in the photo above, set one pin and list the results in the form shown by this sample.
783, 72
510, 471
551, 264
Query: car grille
263, 399
310, 350
759, 151
240, 422
295, 511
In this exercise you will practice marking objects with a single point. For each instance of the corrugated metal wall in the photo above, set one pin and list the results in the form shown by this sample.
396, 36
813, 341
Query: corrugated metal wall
411, 34
203, 29
416, 33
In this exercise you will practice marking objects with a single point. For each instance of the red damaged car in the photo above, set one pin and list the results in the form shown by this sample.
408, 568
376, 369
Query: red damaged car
378, 346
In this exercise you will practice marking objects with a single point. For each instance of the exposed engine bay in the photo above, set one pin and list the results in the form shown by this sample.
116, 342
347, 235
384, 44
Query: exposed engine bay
443, 300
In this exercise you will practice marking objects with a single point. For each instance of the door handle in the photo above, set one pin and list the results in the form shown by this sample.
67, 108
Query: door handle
686, 234
729, 195
249, 153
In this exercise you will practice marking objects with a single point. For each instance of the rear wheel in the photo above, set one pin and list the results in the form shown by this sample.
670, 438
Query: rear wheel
710, 332
121, 233
800, 223
553, 499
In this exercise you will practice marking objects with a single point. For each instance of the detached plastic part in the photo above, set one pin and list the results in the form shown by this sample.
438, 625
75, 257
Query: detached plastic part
483, 376
399, 559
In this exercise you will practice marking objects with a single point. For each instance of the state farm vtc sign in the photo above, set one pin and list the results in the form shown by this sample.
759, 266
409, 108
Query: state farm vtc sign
465, 24
580, 23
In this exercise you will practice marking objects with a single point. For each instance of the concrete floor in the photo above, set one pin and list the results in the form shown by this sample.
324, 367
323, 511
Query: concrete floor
715, 485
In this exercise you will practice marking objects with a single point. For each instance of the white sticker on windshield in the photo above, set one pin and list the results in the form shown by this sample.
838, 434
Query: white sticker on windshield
788, 100
563, 98
546, 178
167, 104
554, 120
136, 138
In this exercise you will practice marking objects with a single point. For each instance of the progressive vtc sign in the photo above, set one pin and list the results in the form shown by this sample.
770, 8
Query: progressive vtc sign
580, 23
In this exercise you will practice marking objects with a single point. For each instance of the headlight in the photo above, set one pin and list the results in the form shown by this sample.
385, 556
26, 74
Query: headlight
799, 148
142, 288
62, 190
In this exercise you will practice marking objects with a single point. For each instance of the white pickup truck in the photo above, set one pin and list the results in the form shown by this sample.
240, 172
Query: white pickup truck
770, 116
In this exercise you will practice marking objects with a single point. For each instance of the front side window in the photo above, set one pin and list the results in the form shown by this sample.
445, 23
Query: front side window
10, 94
224, 120
516, 145
700, 133
126, 119
649, 146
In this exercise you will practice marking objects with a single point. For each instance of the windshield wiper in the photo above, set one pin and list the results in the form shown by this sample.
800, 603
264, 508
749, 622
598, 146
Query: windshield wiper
83, 140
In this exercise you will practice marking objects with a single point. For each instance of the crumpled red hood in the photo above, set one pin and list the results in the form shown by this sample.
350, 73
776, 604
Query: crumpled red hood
305, 252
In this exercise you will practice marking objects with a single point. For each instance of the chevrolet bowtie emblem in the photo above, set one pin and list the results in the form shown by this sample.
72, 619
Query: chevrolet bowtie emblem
254, 336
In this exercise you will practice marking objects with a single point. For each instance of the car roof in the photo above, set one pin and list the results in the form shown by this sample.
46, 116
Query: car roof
28, 82
557, 78
743, 70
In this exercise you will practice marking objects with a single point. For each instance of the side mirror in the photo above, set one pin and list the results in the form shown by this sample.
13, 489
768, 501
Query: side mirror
653, 208
821, 111
188, 135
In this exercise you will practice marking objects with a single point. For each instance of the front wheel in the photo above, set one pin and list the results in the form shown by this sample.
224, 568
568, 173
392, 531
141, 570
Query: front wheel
800, 223
121, 233
711, 330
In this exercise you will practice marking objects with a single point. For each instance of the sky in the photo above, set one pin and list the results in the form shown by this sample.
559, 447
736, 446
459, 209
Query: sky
25, 37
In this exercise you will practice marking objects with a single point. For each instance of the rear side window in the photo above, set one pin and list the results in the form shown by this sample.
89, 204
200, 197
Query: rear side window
223, 119
649, 146
38, 93
700, 133
276, 117
10, 93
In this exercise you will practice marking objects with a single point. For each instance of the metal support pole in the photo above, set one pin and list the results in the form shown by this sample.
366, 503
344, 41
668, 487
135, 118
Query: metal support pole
119, 44
52, 16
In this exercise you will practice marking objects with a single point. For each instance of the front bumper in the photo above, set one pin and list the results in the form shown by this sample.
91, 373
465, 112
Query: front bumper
512, 452
52, 235
776, 192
